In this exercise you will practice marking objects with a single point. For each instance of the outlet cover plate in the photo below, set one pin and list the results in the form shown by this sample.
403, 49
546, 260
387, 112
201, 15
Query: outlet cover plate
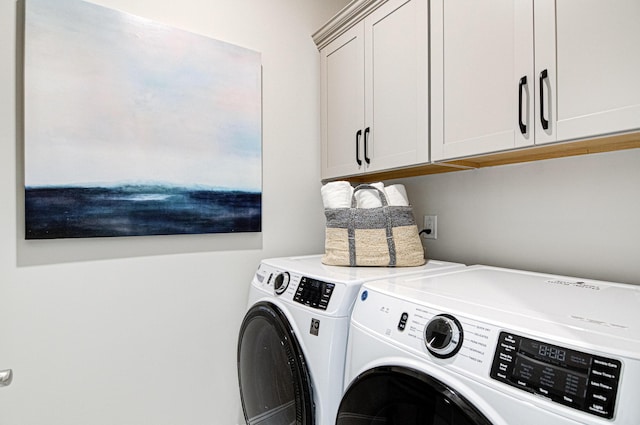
430, 228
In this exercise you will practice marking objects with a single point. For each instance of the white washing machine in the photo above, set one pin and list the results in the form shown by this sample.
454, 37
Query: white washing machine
292, 342
489, 346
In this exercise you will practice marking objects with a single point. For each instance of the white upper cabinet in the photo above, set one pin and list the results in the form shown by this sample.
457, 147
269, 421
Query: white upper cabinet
484, 76
597, 46
397, 84
510, 74
342, 102
481, 76
374, 91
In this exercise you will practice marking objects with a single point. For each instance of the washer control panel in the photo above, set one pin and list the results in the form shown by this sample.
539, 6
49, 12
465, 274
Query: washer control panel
579, 380
314, 293
291, 286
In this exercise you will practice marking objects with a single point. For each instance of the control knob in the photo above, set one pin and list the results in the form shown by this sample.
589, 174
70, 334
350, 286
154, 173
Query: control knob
443, 336
281, 282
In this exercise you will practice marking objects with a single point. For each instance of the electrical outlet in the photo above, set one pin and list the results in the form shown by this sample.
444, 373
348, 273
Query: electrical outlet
430, 228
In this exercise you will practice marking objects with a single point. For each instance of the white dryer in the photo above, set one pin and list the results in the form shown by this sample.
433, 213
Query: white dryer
292, 342
489, 346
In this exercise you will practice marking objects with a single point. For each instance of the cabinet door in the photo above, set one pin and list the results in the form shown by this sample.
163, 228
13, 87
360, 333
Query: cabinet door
481, 50
342, 102
598, 63
396, 85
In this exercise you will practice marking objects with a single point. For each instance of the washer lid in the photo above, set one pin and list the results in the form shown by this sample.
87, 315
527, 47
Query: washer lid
596, 313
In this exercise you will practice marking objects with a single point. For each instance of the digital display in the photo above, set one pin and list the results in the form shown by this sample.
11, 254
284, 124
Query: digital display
552, 352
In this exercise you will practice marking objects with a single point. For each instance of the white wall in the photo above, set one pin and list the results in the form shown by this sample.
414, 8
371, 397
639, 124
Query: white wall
143, 330
574, 216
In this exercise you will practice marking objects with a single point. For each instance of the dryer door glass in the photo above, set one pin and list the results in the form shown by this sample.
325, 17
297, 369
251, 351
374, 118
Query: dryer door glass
274, 381
394, 395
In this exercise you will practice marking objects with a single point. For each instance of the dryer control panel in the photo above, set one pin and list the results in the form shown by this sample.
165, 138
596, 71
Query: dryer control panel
583, 381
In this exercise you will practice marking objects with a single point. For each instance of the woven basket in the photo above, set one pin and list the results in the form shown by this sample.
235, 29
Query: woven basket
385, 236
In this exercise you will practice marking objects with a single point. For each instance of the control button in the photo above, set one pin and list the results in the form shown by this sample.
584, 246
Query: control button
600, 398
509, 338
602, 385
281, 282
403, 321
599, 409
506, 358
604, 374
606, 363
507, 348
443, 336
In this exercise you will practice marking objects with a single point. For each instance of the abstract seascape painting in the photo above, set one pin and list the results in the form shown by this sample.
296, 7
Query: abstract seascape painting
136, 128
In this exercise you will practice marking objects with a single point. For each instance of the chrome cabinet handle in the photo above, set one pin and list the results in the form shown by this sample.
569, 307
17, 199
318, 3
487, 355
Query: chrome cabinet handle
6, 376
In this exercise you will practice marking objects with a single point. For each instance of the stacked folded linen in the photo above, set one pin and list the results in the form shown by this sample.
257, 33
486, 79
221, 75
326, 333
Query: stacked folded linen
338, 194
397, 195
369, 198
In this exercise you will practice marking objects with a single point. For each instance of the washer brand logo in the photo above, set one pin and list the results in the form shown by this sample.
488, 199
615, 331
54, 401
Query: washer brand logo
315, 327
577, 284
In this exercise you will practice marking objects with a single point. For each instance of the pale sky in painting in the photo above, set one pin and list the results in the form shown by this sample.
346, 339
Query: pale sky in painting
112, 98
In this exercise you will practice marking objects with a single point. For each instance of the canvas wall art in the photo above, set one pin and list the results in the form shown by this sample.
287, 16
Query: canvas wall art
136, 128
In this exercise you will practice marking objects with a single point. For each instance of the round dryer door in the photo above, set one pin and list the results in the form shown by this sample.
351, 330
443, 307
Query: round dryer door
274, 381
396, 395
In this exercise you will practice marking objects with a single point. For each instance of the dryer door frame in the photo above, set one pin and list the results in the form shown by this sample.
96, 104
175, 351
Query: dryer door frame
395, 394
275, 384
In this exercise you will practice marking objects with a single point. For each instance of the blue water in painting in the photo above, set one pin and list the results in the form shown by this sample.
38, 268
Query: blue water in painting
73, 212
